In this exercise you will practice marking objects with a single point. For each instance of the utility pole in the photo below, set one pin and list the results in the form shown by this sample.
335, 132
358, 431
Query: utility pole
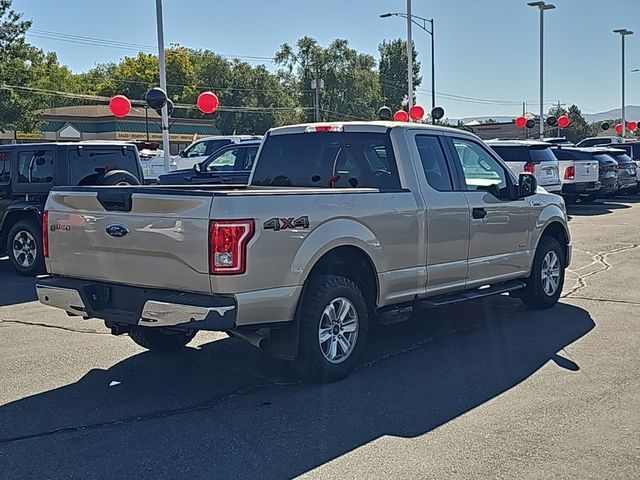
163, 86
409, 57
316, 87
525, 130
623, 33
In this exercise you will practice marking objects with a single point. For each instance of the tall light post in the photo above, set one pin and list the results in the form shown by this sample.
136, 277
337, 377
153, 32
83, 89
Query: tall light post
623, 33
542, 6
423, 26
163, 86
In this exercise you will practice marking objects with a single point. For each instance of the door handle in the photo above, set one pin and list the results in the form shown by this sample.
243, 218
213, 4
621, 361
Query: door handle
478, 213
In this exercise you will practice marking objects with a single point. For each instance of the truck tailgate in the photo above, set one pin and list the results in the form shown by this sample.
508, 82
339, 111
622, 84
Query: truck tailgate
586, 171
154, 240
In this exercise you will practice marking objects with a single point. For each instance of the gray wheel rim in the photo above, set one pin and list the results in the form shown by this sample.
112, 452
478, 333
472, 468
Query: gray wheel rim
25, 249
550, 273
338, 330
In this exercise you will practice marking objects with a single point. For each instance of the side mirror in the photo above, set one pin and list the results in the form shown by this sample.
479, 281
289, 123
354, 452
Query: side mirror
527, 185
182, 154
197, 168
40, 161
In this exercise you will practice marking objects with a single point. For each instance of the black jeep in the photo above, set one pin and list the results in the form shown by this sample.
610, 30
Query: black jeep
29, 171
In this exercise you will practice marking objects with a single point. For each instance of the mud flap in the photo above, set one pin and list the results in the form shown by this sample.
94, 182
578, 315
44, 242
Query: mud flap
284, 341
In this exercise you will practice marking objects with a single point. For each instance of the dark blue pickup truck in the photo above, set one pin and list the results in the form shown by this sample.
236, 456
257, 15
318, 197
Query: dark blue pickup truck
230, 164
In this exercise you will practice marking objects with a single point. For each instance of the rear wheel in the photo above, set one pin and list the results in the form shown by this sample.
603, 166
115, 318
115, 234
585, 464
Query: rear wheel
570, 199
333, 329
544, 286
160, 339
24, 246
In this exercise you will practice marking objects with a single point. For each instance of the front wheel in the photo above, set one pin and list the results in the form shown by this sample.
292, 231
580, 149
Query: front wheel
160, 339
544, 286
333, 329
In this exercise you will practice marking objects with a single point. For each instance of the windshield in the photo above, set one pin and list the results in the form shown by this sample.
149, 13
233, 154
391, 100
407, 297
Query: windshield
327, 160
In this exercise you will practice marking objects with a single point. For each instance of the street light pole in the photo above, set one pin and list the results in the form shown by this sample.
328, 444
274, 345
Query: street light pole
409, 56
423, 26
163, 86
623, 33
542, 6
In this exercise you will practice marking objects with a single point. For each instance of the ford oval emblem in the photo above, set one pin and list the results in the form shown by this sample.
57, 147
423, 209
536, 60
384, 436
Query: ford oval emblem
117, 230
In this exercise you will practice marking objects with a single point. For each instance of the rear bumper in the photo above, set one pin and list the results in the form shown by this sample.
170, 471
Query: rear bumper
580, 187
555, 188
125, 305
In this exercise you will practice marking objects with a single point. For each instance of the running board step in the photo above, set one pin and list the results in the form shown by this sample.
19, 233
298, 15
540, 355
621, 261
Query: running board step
475, 293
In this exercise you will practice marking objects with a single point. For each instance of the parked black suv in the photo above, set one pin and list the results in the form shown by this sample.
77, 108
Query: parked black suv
29, 171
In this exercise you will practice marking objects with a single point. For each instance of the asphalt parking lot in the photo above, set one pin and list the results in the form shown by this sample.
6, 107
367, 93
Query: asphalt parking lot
482, 390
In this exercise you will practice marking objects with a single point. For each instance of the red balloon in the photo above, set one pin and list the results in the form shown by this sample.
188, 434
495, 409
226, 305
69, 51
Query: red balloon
563, 121
120, 106
416, 112
520, 122
207, 102
619, 128
401, 116
632, 126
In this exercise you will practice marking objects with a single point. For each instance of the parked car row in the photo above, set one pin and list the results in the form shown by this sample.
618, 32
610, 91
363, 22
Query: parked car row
575, 172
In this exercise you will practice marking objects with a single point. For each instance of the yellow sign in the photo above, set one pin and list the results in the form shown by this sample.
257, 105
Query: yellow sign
174, 137
30, 136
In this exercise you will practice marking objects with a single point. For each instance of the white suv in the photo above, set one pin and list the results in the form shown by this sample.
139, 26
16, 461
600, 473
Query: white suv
530, 156
199, 150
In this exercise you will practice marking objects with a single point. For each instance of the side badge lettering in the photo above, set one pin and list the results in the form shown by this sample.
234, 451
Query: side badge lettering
276, 224
117, 230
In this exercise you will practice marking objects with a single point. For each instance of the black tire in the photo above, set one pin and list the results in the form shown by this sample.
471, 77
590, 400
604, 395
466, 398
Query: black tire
534, 295
161, 339
588, 198
323, 292
117, 177
570, 199
28, 234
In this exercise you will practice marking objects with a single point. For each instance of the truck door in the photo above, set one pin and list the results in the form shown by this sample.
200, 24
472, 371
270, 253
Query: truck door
499, 222
447, 214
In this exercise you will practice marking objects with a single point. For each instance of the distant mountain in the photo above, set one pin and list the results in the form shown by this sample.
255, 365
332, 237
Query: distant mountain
632, 112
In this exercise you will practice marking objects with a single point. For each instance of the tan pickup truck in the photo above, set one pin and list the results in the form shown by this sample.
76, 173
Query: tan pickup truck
343, 224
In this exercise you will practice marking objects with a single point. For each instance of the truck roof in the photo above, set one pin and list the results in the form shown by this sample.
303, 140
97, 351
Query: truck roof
518, 143
92, 143
367, 126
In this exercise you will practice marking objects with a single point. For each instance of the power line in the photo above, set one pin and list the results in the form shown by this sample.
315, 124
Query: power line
116, 44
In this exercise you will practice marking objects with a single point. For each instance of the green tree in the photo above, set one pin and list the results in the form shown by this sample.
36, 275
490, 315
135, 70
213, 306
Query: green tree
350, 87
15, 69
578, 128
392, 72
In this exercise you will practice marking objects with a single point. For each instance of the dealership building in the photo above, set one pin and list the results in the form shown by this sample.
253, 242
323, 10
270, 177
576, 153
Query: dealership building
95, 122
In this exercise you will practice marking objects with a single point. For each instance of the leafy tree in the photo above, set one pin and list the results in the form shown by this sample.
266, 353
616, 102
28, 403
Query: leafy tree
578, 128
15, 108
393, 72
351, 87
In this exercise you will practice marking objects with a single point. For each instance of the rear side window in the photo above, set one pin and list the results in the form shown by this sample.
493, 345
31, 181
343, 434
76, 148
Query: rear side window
5, 168
328, 160
542, 155
35, 167
214, 145
88, 161
434, 163
250, 158
512, 153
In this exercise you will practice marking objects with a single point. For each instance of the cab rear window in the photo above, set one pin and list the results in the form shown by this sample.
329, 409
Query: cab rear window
328, 160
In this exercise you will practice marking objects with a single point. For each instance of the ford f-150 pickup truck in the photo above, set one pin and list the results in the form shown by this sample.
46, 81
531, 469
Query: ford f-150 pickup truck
342, 224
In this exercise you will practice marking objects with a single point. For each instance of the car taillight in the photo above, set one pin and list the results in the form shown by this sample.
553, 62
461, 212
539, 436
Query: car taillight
530, 167
570, 173
228, 241
45, 234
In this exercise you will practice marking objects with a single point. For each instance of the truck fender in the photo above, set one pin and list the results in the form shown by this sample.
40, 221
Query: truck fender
549, 217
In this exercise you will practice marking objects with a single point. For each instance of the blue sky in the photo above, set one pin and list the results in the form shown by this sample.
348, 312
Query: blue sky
485, 49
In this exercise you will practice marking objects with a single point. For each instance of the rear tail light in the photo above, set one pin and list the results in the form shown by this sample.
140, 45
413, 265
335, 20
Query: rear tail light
530, 167
228, 241
45, 234
570, 173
